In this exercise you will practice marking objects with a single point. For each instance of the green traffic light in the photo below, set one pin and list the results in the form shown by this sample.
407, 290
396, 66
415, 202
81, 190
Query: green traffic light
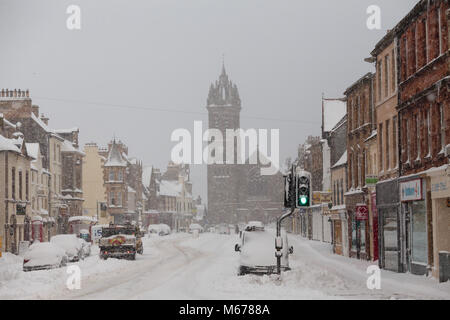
303, 200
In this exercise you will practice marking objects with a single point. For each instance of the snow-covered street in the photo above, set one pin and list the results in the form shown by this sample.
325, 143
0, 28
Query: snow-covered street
182, 267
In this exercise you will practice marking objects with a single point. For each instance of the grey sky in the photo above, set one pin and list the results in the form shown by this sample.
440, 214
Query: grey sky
163, 55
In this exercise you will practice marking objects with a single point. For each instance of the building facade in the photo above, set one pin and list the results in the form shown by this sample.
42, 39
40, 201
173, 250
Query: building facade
359, 129
424, 118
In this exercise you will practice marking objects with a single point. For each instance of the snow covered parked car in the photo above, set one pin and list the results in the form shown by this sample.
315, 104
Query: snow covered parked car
45, 255
159, 229
195, 226
257, 251
86, 247
70, 244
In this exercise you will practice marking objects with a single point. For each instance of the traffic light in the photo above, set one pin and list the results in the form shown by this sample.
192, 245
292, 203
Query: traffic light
289, 189
303, 189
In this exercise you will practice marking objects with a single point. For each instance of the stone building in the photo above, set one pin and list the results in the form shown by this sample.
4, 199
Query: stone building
360, 118
17, 106
236, 192
386, 161
115, 181
72, 172
42, 226
15, 193
424, 118
311, 160
94, 189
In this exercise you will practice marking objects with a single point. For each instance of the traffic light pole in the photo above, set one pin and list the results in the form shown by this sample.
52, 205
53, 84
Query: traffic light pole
278, 253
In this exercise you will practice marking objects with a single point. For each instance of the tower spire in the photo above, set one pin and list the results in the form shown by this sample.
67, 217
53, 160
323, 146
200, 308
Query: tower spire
223, 64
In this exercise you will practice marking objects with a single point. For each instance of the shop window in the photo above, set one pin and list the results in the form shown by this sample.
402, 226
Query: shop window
419, 232
354, 236
362, 230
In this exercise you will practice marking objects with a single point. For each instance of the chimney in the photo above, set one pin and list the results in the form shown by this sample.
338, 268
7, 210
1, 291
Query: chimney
44, 119
35, 110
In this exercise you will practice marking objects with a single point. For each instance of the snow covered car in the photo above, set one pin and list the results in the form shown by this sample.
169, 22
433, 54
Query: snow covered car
195, 226
257, 251
164, 229
86, 247
44, 255
70, 244
223, 228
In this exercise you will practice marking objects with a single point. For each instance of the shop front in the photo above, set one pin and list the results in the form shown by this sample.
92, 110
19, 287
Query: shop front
387, 206
358, 225
440, 200
339, 227
416, 221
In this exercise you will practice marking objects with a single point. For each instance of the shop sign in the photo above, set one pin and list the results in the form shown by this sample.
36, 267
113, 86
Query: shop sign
371, 180
411, 190
362, 212
21, 209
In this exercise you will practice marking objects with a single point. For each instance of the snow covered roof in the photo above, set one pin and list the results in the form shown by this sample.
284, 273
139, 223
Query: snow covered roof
85, 218
333, 111
74, 129
169, 188
130, 189
341, 161
68, 146
147, 175
33, 150
8, 145
115, 157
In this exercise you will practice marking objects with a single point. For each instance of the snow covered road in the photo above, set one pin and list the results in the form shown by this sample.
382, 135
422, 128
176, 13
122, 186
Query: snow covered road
182, 267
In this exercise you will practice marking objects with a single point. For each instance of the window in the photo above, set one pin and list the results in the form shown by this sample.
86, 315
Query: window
111, 175
419, 241
13, 183
406, 59
119, 198
342, 191
112, 198
442, 125
358, 106
429, 140
388, 160
413, 51
380, 146
379, 79
59, 153
386, 75
120, 177
408, 141
425, 21
440, 30
393, 71
394, 141
27, 194
418, 136
20, 186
